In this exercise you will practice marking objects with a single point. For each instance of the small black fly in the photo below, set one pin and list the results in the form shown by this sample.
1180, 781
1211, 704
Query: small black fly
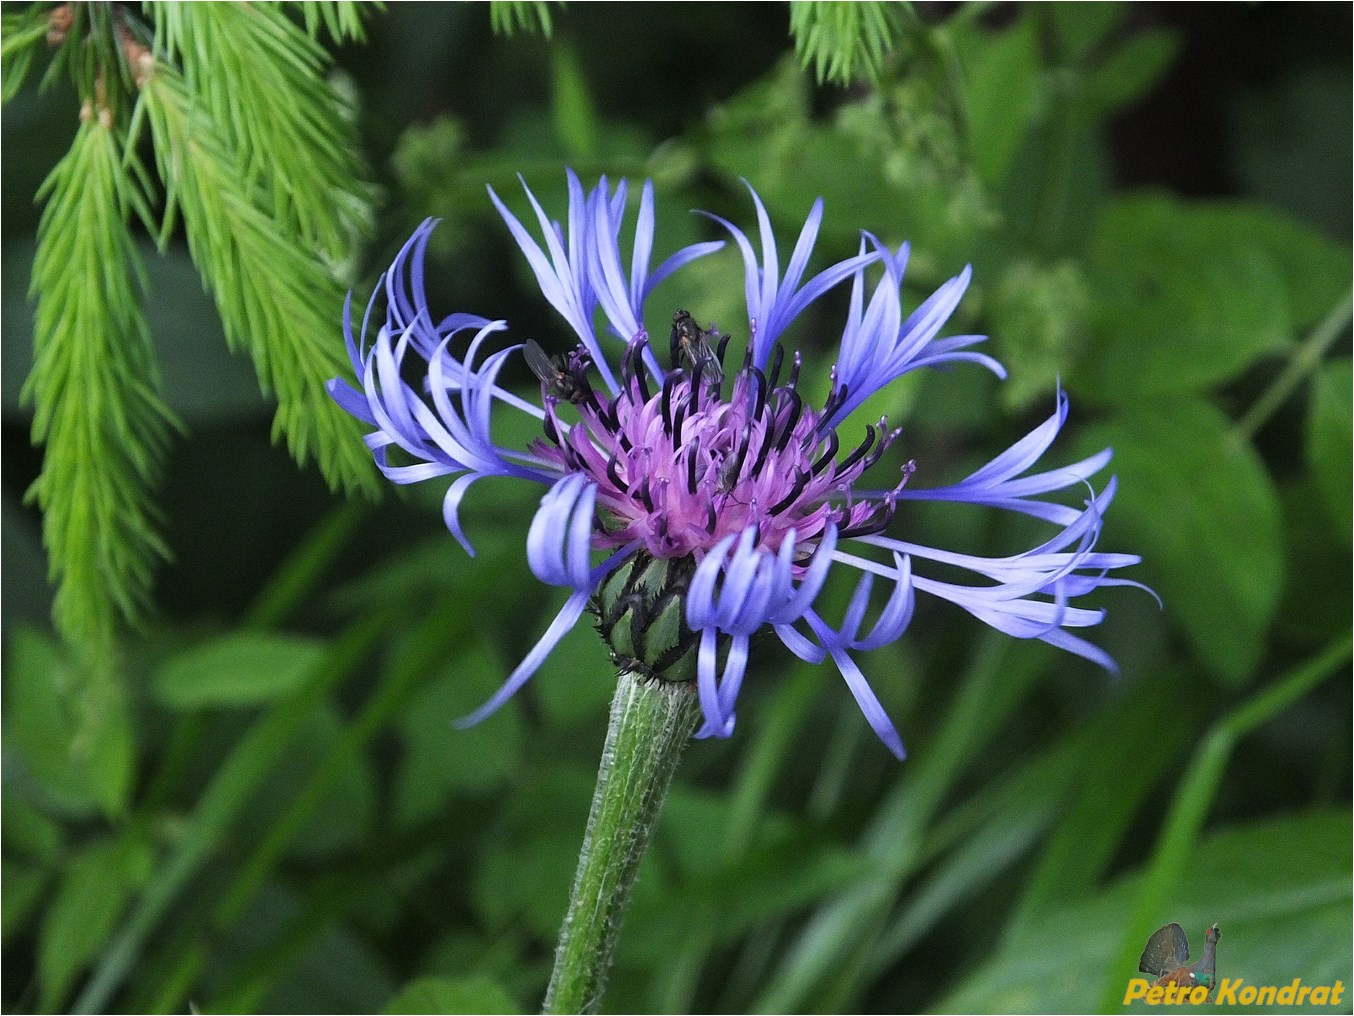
696, 345
562, 377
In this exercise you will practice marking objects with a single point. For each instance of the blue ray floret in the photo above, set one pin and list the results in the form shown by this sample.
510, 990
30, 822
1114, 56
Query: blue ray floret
734, 483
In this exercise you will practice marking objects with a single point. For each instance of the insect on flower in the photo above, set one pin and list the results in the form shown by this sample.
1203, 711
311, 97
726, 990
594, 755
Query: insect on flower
562, 377
689, 515
689, 340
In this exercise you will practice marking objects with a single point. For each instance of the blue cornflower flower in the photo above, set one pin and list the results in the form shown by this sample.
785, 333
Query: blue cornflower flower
693, 511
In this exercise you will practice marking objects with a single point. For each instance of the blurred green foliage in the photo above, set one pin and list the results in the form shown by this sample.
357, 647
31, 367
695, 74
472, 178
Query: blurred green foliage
255, 800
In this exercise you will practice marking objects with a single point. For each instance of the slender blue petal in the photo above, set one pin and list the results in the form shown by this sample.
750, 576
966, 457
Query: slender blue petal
860, 688
451, 508
350, 400
564, 276
774, 303
876, 349
801, 646
559, 541
559, 627
999, 483
707, 688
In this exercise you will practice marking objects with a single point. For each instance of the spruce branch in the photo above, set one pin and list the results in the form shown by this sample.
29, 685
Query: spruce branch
270, 192
260, 78
21, 38
94, 389
844, 41
342, 19
276, 298
509, 16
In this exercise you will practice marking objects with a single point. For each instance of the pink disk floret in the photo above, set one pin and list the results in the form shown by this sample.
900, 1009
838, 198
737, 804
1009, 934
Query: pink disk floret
680, 468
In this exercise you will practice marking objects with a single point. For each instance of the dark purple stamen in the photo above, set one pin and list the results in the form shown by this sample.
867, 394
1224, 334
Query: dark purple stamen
760, 397
777, 359
692, 457
787, 426
825, 460
801, 481
669, 383
859, 453
613, 472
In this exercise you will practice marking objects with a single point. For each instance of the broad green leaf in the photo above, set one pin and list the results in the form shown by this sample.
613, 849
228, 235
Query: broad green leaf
1081, 28
1053, 203
24, 887
44, 702
1203, 513
348, 811
1329, 425
575, 114
37, 716
1082, 846
452, 995
1129, 72
87, 904
27, 831
1002, 90
1183, 299
1187, 295
439, 761
526, 869
1315, 269
1279, 890
240, 669
1315, 607
420, 566
105, 743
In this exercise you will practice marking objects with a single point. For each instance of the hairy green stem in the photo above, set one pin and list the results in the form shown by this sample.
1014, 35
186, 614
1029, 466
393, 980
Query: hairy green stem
651, 722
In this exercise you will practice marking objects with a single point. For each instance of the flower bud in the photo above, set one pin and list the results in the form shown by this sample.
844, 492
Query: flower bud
641, 615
